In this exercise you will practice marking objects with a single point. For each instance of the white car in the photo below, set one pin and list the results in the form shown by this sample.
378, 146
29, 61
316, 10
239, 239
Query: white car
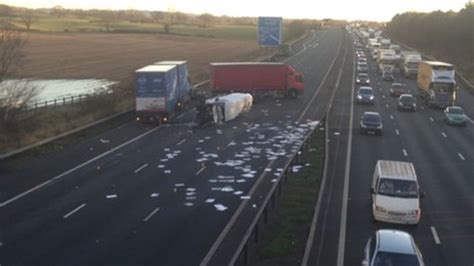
392, 247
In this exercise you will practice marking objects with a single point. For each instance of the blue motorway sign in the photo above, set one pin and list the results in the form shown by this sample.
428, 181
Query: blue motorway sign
270, 31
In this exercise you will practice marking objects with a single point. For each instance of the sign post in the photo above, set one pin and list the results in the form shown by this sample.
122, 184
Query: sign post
270, 31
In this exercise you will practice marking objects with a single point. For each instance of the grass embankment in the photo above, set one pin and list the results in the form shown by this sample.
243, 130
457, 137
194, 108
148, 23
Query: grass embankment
285, 237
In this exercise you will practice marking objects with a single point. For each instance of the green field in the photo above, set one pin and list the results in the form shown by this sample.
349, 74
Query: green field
74, 24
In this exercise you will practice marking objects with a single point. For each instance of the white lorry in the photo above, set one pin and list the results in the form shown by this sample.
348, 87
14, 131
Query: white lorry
386, 60
227, 107
409, 62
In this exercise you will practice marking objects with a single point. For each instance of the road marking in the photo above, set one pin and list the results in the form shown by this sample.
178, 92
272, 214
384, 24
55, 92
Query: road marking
151, 214
181, 142
74, 211
444, 135
431, 119
397, 132
383, 96
180, 116
345, 196
391, 117
200, 170
405, 153
470, 120
56, 178
140, 168
386, 105
435, 235
461, 156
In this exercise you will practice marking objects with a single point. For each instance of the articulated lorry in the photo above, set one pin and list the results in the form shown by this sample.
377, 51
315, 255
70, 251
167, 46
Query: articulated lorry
161, 90
386, 60
436, 83
409, 61
256, 78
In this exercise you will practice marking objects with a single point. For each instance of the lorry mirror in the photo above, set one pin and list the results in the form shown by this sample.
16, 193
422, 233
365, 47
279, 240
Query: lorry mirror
372, 190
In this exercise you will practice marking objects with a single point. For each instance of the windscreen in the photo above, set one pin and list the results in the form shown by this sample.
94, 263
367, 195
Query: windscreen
366, 91
387, 258
372, 118
398, 188
443, 87
456, 111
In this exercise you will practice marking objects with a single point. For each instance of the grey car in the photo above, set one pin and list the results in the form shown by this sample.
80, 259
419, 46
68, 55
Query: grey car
454, 115
392, 247
407, 102
363, 78
371, 122
365, 95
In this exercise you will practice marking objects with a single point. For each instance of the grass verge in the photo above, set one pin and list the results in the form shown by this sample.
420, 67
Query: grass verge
285, 237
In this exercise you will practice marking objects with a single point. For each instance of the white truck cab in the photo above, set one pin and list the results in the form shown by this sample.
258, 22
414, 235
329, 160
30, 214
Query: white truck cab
395, 193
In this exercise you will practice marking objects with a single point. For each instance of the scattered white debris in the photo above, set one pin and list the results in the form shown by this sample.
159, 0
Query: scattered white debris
161, 166
337, 133
219, 131
238, 192
220, 207
274, 180
254, 205
104, 141
113, 196
227, 189
190, 198
210, 200
241, 181
245, 197
167, 172
188, 204
191, 189
179, 185
155, 195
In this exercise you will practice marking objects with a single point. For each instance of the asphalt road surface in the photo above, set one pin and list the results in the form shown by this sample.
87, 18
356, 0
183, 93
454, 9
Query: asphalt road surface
138, 195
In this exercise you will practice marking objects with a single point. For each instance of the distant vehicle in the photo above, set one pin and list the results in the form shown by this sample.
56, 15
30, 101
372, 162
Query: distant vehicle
386, 60
363, 79
392, 247
361, 59
387, 76
385, 44
436, 83
454, 115
371, 122
365, 95
161, 90
225, 108
397, 49
395, 193
406, 102
409, 61
256, 78
397, 89
362, 67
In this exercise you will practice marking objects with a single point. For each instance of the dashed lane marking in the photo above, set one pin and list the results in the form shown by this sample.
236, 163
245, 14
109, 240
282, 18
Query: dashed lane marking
435, 235
140, 168
74, 211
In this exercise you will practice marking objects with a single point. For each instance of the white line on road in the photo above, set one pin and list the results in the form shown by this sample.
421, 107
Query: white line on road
444, 135
181, 142
405, 153
140, 168
470, 120
435, 235
461, 156
151, 214
180, 116
431, 119
74, 211
391, 117
386, 105
397, 132
56, 178
200, 170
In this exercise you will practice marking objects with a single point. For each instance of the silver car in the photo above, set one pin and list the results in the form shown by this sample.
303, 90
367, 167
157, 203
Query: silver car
392, 247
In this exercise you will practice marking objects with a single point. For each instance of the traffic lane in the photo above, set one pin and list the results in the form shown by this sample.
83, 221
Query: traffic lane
465, 99
324, 249
366, 151
17, 175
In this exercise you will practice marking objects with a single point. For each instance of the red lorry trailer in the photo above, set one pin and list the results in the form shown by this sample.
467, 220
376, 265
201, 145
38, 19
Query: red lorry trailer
256, 78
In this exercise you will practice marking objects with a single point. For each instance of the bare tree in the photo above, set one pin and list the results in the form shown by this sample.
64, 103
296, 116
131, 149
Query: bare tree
28, 19
15, 95
11, 53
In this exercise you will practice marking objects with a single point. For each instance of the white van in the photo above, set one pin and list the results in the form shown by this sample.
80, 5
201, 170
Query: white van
395, 193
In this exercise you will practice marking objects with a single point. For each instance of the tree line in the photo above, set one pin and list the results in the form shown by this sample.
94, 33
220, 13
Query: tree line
448, 36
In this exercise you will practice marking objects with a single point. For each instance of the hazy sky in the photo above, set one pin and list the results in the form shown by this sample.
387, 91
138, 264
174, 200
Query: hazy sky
380, 10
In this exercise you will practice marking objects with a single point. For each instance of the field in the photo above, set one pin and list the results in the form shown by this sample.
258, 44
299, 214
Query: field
115, 56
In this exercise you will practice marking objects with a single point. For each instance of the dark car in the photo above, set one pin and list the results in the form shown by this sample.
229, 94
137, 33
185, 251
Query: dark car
363, 79
365, 95
387, 76
407, 102
371, 122
397, 89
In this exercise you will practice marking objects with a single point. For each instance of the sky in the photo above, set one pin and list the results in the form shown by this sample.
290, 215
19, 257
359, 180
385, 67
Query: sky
374, 10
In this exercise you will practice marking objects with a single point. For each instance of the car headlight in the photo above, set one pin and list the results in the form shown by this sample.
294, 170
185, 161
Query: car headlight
368, 80
358, 80
380, 209
380, 126
359, 97
362, 125
371, 98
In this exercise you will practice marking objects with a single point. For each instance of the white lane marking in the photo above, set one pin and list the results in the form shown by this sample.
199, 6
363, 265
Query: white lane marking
444, 135
397, 132
470, 120
435, 235
151, 214
431, 119
181, 142
405, 153
56, 178
74, 211
140, 168
200, 170
383, 96
391, 117
386, 105
345, 195
180, 116
461, 156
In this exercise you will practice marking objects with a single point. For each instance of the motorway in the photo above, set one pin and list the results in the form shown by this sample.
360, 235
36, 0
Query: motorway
141, 195
442, 156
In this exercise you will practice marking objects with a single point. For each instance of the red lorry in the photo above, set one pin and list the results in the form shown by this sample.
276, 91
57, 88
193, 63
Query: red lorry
256, 78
